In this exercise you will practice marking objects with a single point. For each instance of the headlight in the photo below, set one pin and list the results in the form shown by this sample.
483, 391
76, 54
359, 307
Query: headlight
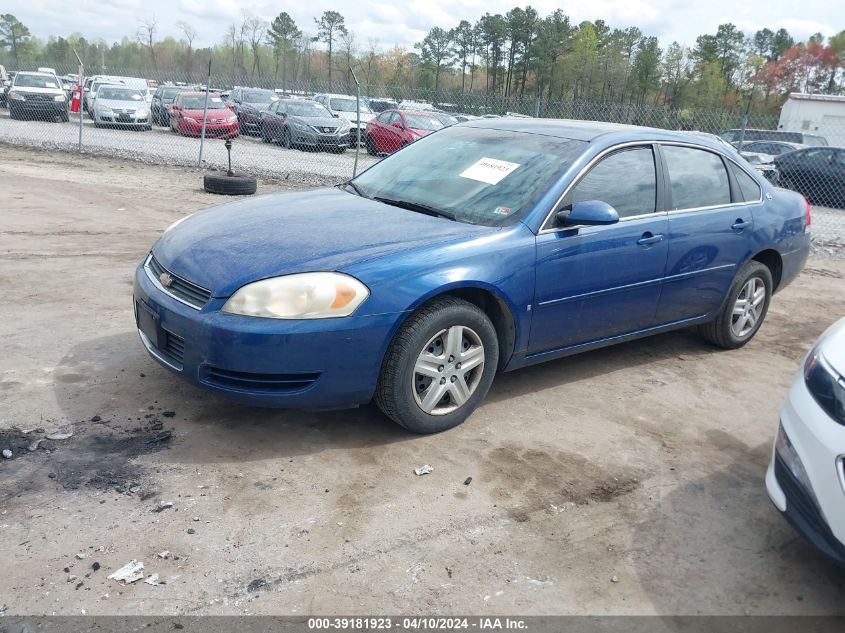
16, 96
190, 119
302, 296
825, 385
231, 119
141, 112
104, 110
789, 455
59, 98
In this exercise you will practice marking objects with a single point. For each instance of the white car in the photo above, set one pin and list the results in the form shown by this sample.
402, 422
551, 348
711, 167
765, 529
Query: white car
806, 477
344, 107
121, 106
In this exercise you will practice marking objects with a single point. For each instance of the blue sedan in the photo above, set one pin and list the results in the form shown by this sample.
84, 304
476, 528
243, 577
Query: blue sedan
487, 246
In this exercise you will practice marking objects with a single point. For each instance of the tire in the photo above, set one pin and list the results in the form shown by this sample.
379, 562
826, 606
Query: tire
371, 148
286, 139
401, 390
65, 117
723, 331
13, 114
264, 136
236, 185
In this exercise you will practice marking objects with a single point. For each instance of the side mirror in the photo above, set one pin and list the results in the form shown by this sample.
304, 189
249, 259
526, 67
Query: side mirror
398, 124
588, 213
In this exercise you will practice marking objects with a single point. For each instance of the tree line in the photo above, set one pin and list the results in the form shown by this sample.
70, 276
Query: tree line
518, 54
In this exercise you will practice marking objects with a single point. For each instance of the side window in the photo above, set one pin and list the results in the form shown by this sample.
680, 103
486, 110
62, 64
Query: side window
625, 180
751, 191
697, 177
839, 158
394, 117
383, 117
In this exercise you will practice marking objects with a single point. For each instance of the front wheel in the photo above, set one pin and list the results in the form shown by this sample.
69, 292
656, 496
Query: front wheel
438, 367
744, 310
371, 146
287, 142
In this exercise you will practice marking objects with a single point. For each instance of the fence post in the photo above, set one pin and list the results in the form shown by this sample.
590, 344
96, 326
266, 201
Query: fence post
357, 122
743, 125
81, 81
537, 106
204, 112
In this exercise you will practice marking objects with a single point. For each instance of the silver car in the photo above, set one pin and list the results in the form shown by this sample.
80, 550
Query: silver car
120, 106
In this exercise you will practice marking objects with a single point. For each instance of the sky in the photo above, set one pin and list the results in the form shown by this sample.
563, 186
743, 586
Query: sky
408, 21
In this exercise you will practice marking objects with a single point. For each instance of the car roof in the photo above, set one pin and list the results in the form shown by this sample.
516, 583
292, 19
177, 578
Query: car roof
589, 130
35, 72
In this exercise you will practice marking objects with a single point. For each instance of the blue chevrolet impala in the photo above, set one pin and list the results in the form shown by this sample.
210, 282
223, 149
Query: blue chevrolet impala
487, 246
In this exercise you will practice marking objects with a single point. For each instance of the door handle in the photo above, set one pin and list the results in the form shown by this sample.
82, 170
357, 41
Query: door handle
648, 239
740, 224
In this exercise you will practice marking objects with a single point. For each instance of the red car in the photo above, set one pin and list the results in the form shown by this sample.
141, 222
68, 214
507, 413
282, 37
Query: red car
186, 116
394, 129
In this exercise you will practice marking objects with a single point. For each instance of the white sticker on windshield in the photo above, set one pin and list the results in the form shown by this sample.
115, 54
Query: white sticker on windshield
489, 170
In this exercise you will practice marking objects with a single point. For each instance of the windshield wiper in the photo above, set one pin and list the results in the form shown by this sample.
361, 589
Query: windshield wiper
418, 208
355, 188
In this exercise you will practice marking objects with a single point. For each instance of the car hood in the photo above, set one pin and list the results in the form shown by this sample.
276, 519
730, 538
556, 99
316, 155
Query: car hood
317, 121
215, 113
119, 103
38, 91
366, 117
225, 247
833, 346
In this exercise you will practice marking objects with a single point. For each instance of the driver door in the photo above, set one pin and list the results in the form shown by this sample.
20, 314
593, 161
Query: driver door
597, 282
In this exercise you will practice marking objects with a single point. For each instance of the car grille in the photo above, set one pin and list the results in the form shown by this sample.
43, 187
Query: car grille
180, 288
38, 97
799, 501
326, 130
118, 111
174, 347
263, 383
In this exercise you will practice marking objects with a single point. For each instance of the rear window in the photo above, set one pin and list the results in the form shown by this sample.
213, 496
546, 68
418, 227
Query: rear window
698, 178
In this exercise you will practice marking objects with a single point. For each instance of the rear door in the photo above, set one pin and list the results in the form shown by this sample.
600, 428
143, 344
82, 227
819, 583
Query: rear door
596, 282
710, 230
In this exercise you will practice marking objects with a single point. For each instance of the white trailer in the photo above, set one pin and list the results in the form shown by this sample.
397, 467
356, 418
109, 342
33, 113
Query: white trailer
821, 115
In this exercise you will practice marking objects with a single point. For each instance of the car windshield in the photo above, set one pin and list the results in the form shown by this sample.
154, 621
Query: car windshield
815, 141
197, 102
479, 176
35, 81
169, 93
423, 122
307, 108
259, 96
119, 94
347, 105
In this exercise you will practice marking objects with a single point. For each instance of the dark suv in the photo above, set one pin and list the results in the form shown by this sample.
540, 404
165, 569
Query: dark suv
248, 103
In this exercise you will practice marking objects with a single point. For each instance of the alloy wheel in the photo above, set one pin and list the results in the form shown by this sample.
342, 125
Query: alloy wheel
748, 307
448, 370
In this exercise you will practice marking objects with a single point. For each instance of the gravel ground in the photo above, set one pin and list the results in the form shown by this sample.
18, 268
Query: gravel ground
623, 481
161, 147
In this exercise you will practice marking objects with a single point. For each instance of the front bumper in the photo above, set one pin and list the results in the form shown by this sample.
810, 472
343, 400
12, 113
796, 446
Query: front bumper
300, 364
118, 120
39, 107
212, 130
820, 444
319, 139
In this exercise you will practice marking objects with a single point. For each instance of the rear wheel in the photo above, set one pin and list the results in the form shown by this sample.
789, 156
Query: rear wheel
438, 367
744, 310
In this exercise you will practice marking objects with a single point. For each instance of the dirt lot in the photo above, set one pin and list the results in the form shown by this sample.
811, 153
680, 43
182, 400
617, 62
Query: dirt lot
624, 481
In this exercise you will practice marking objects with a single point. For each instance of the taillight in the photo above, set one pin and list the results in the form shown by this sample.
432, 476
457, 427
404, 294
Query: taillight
808, 218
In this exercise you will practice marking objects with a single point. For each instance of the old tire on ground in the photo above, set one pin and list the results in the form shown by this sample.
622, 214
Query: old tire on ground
423, 385
235, 185
744, 310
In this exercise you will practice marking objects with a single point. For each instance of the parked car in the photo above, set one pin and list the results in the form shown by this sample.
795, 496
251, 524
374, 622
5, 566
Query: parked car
162, 100
247, 104
394, 129
302, 123
186, 116
344, 107
37, 95
380, 104
752, 134
484, 247
816, 172
121, 106
92, 84
767, 151
5, 82
805, 476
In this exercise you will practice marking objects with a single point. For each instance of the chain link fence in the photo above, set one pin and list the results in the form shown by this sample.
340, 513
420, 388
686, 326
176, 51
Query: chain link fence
309, 132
